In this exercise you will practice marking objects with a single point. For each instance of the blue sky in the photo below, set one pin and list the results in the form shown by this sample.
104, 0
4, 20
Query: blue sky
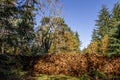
80, 15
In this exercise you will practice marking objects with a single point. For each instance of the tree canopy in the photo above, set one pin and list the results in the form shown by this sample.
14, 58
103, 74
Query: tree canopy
107, 31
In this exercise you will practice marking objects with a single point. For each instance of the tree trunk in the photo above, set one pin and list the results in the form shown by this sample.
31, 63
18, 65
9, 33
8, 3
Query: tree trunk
3, 48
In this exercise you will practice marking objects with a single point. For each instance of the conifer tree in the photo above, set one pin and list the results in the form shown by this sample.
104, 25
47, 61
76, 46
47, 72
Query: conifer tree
8, 12
114, 45
92, 47
104, 44
107, 31
95, 36
26, 24
16, 27
103, 22
102, 28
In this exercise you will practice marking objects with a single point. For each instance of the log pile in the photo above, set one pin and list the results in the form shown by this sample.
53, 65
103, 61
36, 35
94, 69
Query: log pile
76, 64
66, 64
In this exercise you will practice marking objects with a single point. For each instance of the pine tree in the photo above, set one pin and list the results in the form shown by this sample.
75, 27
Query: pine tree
95, 36
116, 12
114, 45
92, 47
102, 29
26, 24
8, 12
103, 22
72, 43
78, 41
16, 27
104, 44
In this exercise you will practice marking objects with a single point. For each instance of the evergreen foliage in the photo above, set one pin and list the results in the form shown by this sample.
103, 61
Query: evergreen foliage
107, 32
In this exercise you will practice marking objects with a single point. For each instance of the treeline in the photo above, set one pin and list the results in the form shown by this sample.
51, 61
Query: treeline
19, 33
106, 35
18, 19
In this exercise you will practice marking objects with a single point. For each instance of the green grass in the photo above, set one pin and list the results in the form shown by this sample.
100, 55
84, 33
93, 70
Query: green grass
97, 76
55, 77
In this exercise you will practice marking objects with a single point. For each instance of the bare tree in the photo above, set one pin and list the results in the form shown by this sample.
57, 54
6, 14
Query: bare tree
47, 10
